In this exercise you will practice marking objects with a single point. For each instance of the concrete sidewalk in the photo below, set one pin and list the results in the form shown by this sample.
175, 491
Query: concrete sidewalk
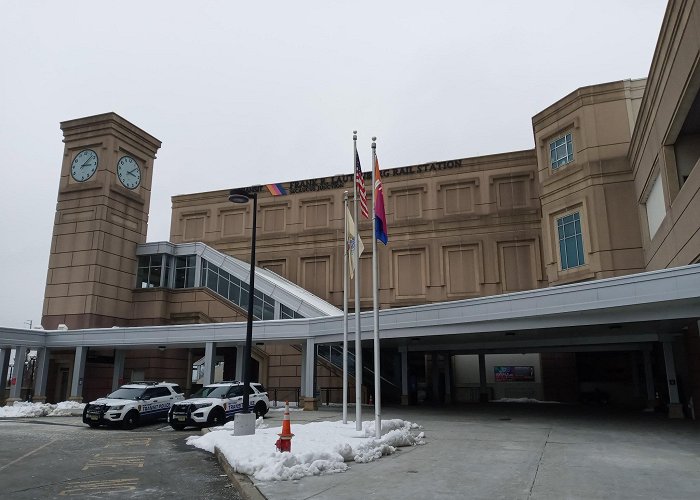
515, 451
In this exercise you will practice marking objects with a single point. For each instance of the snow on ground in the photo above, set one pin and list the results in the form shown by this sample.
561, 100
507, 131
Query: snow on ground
522, 400
25, 409
317, 447
292, 407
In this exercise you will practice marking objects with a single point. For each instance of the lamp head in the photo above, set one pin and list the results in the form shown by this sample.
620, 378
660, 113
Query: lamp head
240, 196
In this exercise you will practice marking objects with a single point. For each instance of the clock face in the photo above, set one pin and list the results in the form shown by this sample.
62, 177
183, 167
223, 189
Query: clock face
84, 165
129, 172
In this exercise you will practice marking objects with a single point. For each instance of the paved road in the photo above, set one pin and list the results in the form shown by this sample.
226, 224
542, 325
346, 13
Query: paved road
61, 457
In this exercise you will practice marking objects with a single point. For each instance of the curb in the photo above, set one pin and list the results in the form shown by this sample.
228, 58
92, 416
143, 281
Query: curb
241, 482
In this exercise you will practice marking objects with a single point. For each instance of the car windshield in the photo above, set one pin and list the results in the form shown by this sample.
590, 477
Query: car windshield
211, 392
127, 393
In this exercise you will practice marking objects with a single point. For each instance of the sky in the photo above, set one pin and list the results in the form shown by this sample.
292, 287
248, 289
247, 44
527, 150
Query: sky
245, 93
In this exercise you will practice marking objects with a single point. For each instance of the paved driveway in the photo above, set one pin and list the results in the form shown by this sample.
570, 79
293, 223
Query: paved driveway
59, 457
511, 451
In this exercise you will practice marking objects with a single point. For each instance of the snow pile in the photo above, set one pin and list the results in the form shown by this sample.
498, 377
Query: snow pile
66, 408
318, 447
26, 410
259, 424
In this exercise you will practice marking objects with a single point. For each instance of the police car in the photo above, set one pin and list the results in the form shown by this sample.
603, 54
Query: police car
214, 404
133, 403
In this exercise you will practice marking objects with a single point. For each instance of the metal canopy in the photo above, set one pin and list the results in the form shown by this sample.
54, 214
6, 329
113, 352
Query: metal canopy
629, 309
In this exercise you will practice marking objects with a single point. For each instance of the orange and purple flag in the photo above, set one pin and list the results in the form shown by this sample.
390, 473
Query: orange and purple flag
380, 230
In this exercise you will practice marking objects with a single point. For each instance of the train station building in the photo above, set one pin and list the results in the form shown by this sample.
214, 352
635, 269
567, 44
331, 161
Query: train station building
567, 272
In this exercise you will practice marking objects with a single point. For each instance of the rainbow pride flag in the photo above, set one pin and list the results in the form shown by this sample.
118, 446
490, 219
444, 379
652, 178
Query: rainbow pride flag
276, 189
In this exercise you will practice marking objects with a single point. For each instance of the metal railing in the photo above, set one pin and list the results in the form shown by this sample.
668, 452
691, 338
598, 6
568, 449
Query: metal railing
291, 394
326, 395
330, 395
334, 355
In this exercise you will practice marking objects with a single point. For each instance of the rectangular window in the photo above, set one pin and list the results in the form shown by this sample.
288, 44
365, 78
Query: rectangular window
561, 151
212, 278
184, 271
166, 274
142, 275
570, 241
244, 297
656, 208
149, 271
234, 294
263, 306
224, 279
288, 313
233, 289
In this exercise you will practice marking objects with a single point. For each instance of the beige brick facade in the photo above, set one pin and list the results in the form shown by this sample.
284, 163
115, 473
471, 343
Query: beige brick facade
613, 173
98, 224
461, 228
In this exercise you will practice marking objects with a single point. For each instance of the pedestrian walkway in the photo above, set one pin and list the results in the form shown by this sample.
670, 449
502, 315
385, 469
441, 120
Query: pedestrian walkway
515, 451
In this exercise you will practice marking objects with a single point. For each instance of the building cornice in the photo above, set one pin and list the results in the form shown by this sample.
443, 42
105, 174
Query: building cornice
672, 28
96, 125
592, 94
509, 159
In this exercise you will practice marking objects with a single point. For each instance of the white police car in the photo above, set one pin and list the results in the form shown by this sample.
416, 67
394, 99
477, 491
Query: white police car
213, 404
133, 403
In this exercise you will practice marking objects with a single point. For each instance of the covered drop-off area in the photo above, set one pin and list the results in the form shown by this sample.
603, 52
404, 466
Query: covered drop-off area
629, 342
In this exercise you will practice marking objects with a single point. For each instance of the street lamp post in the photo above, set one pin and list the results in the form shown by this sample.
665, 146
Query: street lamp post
243, 196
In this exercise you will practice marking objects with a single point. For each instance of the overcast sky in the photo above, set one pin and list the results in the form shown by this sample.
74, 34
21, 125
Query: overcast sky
246, 93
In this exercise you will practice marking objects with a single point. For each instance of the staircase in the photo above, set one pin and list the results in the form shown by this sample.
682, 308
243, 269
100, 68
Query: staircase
333, 356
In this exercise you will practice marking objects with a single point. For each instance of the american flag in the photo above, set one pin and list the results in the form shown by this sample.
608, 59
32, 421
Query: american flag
360, 183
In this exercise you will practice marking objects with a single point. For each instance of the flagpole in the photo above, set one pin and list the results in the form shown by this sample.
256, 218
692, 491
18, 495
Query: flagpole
358, 333
345, 310
375, 299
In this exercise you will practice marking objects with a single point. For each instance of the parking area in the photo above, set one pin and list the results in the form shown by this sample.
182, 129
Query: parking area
61, 457
519, 451
496, 450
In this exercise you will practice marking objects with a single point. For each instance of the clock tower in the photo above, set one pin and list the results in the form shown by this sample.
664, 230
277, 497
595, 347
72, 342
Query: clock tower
101, 215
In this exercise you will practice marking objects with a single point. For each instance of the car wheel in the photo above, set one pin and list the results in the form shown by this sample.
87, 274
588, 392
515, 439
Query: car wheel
131, 419
260, 409
216, 417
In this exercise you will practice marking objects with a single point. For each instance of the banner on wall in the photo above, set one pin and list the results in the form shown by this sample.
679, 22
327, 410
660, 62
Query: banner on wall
514, 373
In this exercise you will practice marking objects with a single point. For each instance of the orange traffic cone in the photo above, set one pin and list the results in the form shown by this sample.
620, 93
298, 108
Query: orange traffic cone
284, 443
